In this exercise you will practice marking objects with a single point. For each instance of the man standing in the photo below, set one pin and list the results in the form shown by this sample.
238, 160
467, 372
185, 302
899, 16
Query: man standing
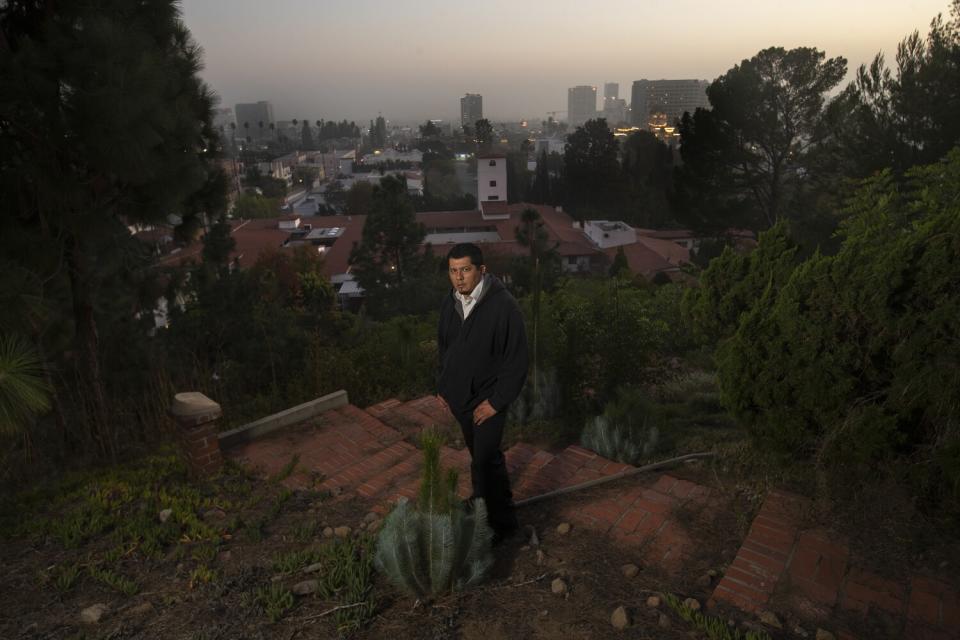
483, 365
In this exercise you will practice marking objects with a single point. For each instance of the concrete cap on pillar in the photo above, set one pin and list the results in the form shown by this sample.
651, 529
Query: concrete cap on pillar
194, 407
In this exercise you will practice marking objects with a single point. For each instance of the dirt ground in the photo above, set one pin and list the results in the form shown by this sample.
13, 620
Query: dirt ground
515, 602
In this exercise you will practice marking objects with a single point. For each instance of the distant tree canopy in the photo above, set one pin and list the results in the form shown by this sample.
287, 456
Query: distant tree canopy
591, 171
331, 130
901, 117
484, 134
269, 186
744, 158
648, 173
251, 205
395, 275
306, 136
378, 133
359, 198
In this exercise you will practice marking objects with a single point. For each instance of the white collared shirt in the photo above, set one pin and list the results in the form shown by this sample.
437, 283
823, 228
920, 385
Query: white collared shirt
468, 302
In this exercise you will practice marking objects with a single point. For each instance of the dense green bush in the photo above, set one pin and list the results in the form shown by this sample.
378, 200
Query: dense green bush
734, 281
599, 335
854, 363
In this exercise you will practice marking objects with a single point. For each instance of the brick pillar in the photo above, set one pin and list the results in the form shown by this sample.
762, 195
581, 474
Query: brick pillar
196, 416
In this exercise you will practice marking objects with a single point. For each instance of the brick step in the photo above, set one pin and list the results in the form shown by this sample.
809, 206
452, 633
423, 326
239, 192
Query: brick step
642, 517
325, 445
432, 407
368, 468
571, 466
384, 485
525, 463
408, 420
373, 425
377, 410
815, 566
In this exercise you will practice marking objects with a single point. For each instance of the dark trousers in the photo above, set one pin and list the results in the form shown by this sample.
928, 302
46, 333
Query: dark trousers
488, 467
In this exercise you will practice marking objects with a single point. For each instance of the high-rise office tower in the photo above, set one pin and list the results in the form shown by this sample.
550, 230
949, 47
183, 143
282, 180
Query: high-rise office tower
471, 109
614, 109
581, 104
611, 91
668, 97
250, 115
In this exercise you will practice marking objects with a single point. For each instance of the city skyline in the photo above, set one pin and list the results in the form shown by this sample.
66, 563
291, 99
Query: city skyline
355, 61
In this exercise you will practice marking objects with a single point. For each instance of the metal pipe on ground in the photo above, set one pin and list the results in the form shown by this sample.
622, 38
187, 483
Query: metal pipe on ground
589, 484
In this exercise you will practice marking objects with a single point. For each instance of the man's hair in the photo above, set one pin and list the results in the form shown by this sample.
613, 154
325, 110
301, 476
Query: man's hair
466, 250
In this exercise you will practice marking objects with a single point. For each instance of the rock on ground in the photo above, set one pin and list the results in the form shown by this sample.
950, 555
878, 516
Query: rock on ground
558, 586
563, 528
823, 634
93, 613
630, 570
342, 532
769, 618
619, 618
692, 603
653, 602
306, 587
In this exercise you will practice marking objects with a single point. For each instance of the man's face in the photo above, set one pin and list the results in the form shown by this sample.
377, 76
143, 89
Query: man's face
464, 275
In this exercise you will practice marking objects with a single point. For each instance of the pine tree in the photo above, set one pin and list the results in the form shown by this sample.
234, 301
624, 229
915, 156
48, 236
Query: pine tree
106, 123
387, 262
439, 546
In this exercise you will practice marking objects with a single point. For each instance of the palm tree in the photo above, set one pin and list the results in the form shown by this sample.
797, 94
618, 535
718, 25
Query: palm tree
24, 389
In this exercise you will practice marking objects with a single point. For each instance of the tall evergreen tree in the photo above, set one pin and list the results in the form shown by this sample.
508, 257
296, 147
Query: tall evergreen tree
484, 132
105, 124
744, 157
591, 171
306, 136
388, 262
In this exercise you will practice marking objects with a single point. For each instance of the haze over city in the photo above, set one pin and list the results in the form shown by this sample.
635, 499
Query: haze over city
412, 61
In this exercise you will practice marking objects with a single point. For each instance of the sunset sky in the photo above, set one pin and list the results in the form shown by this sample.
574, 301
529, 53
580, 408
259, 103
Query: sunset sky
413, 60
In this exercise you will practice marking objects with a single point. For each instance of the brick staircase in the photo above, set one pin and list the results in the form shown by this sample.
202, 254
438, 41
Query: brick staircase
782, 565
370, 453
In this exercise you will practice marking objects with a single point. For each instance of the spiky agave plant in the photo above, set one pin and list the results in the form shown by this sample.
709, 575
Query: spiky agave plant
610, 440
436, 546
627, 431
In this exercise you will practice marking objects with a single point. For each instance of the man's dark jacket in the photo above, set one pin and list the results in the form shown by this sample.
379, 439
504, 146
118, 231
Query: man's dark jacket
485, 356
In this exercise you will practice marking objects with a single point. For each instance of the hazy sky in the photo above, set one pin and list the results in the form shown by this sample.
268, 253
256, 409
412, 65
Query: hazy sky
413, 60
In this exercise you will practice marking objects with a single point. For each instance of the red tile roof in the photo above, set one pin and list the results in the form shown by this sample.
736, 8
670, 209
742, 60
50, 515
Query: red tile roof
571, 242
336, 259
641, 259
253, 237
